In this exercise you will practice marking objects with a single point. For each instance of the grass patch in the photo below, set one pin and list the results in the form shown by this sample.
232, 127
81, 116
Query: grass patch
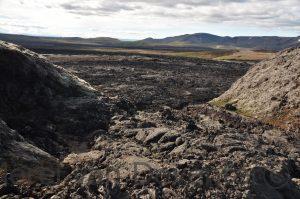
219, 103
244, 112
247, 55
240, 111
204, 54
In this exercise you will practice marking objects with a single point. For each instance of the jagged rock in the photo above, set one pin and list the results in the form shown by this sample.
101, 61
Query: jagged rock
141, 135
131, 132
169, 137
168, 193
155, 135
179, 150
179, 141
73, 159
167, 146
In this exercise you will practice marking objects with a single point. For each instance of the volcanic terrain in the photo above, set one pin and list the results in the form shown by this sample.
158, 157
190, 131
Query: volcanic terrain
141, 127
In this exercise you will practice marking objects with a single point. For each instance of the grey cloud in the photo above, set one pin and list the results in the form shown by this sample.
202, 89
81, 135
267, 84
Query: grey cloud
22, 26
173, 3
103, 8
259, 12
127, 5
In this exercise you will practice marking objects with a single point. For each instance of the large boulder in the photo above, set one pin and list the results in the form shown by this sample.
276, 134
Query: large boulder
45, 103
270, 91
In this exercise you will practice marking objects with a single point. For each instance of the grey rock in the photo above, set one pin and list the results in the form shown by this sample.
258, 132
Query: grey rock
141, 135
155, 135
169, 137
179, 141
167, 146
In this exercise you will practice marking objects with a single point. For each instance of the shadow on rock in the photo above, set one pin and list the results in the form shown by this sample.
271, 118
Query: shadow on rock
267, 185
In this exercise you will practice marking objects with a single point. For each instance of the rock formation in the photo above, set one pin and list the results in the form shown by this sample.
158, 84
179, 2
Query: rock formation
43, 101
44, 108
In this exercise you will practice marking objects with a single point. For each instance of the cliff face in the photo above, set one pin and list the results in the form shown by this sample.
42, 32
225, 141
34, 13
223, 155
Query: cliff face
269, 91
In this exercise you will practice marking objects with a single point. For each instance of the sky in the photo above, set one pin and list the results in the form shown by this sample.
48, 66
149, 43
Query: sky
139, 19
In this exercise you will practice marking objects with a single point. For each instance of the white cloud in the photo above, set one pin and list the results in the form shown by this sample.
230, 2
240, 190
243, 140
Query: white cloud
125, 18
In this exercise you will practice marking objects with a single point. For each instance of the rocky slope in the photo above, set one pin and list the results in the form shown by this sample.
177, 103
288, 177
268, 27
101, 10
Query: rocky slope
269, 91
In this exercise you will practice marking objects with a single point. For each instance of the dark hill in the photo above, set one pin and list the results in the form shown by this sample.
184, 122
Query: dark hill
200, 41
35, 41
214, 41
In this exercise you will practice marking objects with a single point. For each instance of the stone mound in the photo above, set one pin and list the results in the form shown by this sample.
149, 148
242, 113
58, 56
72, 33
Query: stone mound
270, 91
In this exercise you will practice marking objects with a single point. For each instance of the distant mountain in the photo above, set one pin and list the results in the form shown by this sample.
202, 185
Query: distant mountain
36, 41
199, 41
214, 41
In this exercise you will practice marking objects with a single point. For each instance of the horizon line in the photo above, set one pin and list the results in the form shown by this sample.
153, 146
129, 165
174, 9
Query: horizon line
126, 39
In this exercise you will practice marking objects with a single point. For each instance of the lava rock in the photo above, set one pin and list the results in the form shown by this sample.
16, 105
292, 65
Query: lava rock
155, 135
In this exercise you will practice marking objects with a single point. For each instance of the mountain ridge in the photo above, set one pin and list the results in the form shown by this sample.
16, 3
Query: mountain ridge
209, 40
202, 40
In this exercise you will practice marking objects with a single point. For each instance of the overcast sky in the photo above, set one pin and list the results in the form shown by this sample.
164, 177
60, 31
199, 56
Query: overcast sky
136, 19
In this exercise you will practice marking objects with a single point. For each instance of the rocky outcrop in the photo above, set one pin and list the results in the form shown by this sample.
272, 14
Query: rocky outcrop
44, 102
269, 91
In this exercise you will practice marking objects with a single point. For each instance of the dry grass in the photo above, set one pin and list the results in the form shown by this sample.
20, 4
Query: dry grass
286, 120
203, 54
247, 55
221, 55
214, 54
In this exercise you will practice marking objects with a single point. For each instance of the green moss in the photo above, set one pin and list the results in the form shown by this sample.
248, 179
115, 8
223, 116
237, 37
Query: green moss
240, 110
219, 103
244, 112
